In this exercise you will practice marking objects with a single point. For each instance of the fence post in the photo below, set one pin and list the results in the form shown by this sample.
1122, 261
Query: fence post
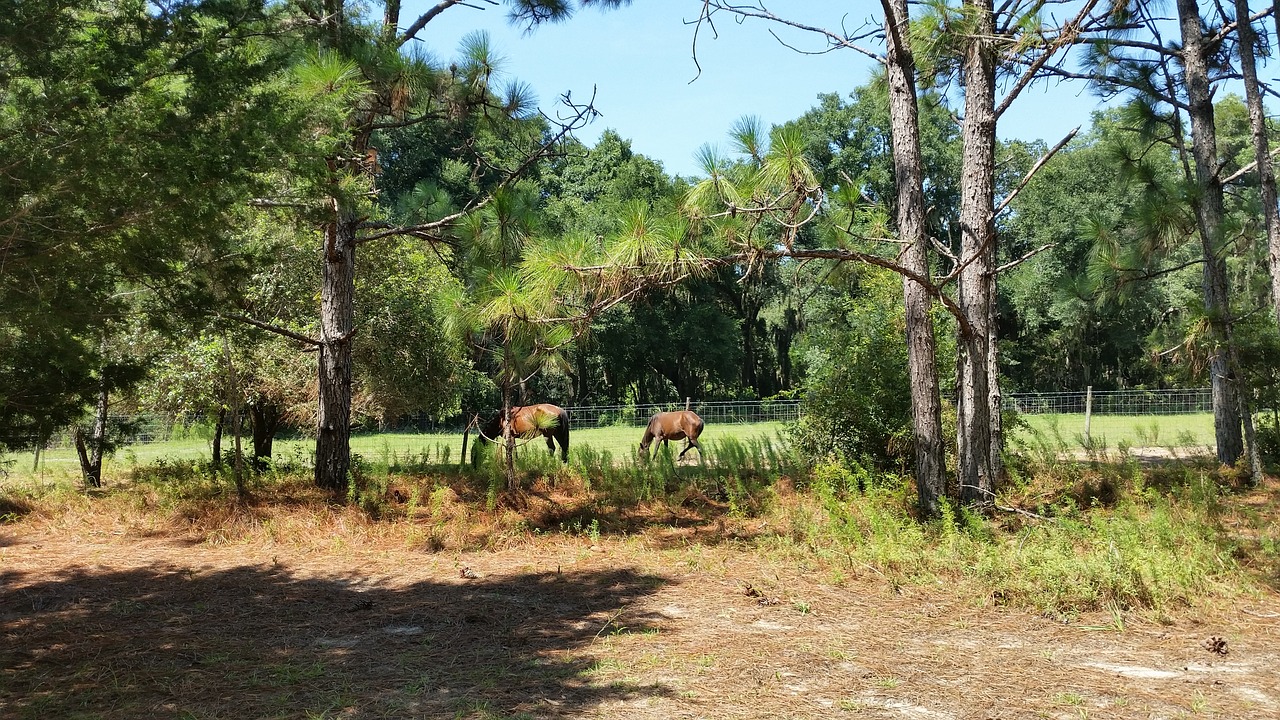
686, 403
1088, 412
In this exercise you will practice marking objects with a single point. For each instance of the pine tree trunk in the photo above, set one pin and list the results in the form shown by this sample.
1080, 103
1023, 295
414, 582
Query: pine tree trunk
508, 438
1209, 216
995, 404
1261, 148
216, 462
91, 456
265, 418
337, 323
977, 191
926, 404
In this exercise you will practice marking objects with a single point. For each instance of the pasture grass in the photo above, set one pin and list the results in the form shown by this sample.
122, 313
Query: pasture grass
1185, 431
382, 450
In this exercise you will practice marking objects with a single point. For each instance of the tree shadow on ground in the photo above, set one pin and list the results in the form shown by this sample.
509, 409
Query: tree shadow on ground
255, 641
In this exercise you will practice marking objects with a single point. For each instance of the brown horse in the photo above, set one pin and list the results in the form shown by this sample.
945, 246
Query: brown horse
667, 426
550, 421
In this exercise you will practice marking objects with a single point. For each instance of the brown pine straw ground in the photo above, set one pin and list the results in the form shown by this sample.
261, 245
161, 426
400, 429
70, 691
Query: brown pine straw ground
284, 610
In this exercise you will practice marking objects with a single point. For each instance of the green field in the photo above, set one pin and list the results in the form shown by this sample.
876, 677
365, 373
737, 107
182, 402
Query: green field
1111, 431
620, 441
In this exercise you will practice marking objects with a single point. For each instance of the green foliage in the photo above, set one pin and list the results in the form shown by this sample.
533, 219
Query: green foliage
1145, 549
132, 133
849, 145
1081, 311
407, 362
857, 397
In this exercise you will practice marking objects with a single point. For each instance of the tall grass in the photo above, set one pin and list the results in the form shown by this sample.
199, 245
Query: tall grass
1143, 548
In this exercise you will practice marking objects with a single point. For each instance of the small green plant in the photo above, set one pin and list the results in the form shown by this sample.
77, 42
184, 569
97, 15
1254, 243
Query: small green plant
847, 705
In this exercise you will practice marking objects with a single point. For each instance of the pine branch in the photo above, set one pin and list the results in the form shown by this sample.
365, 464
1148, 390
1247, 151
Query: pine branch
309, 341
582, 114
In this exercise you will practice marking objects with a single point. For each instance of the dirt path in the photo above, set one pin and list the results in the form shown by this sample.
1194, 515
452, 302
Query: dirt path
101, 625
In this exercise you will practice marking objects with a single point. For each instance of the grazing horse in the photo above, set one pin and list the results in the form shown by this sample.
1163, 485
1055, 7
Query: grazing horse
550, 421
667, 426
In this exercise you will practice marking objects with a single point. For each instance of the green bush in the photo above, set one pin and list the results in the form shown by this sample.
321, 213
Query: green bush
857, 400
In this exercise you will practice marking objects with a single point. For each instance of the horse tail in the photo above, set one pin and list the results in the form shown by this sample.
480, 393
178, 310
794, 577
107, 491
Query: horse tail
562, 434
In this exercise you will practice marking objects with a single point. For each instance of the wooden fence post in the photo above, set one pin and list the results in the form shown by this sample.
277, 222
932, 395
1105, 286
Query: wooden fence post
1088, 412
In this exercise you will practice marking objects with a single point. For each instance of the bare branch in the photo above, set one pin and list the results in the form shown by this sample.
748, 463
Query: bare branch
835, 40
1034, 169
1247, 168
411, 33
1014, 263
1068, 36
308, 341
853, 255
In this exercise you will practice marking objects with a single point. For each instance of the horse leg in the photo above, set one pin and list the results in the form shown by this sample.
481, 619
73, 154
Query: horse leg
551, 446
693, 443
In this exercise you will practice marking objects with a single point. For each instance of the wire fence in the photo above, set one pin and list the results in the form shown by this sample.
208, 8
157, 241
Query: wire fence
1113, 402
146, 428
1175, 418
728, 412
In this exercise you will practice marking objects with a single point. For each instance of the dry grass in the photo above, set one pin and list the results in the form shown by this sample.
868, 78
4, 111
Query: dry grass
555, 603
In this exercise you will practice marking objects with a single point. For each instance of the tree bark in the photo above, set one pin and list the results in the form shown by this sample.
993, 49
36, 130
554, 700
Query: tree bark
977, 254
265, 418
91, 456
216, 462
508, 438
926, 404
1209, 216
995, 405
337, 324
1270, 212
1261, 147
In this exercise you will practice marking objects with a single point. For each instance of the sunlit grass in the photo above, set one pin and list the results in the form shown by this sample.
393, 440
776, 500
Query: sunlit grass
61, 464
1192, 430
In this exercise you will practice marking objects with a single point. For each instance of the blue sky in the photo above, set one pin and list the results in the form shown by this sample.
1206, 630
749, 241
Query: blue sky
640, 61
